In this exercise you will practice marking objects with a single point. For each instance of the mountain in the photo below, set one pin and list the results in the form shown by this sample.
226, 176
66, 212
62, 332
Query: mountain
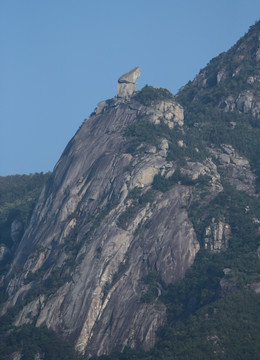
146, 234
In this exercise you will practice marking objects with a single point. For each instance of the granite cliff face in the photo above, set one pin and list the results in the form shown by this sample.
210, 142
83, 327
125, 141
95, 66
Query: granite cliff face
90, 239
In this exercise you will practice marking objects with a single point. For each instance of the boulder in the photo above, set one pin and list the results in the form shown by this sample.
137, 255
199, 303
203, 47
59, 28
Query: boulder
127, 83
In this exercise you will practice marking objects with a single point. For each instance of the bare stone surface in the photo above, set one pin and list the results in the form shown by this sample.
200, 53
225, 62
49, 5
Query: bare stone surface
4, 251
168, 112
208, 168
16, 230
246, 102
237, 170
256, 287
16, 355
217, 235
98, 306
127, 83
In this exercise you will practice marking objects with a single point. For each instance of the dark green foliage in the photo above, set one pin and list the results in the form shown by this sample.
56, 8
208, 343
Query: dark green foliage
230, 204
18, 194
229, 329
47, 287
204, 104
125, 218
163, 184
31, 340
140, 199
152, 280
144, 132
150, 94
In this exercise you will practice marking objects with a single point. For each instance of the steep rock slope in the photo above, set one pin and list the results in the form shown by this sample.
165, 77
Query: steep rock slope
89, 247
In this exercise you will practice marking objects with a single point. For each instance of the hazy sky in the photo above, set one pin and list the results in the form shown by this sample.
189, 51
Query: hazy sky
59, 58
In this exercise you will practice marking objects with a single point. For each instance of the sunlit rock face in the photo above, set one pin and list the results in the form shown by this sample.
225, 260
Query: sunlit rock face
95, 243
127, 83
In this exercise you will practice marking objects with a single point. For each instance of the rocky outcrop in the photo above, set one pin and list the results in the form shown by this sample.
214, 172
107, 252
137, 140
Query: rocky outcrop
237, 170
17, 229
4, 251
167, 112
17, 355
217, 235
246, 102
208, 168
127, 83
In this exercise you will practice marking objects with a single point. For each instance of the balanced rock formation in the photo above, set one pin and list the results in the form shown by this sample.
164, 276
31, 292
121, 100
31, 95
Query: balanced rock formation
127, 83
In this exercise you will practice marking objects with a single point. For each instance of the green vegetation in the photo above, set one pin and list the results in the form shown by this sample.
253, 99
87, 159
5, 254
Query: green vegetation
204, 104
152, 280
18, 194
163, 184
139, 201
31, 340
150, 94
144, 132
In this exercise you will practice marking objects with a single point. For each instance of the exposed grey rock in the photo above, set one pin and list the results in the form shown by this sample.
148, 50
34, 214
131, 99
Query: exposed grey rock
257, 55
168, 112
17, 355
244, 101
217, 235
237, 170
227, 271
98, 307
164, 146
39, 356
100, 107
16, 230
256, 287
222, 75
227, 286
258, 252
30, 311
228, 105
151, 149
208, 168
4, 251
127, 83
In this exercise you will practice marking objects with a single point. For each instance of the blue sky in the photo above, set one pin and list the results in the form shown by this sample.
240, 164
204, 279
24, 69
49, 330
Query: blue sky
59, 58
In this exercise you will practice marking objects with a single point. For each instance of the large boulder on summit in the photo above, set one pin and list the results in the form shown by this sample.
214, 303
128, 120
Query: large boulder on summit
127, 82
